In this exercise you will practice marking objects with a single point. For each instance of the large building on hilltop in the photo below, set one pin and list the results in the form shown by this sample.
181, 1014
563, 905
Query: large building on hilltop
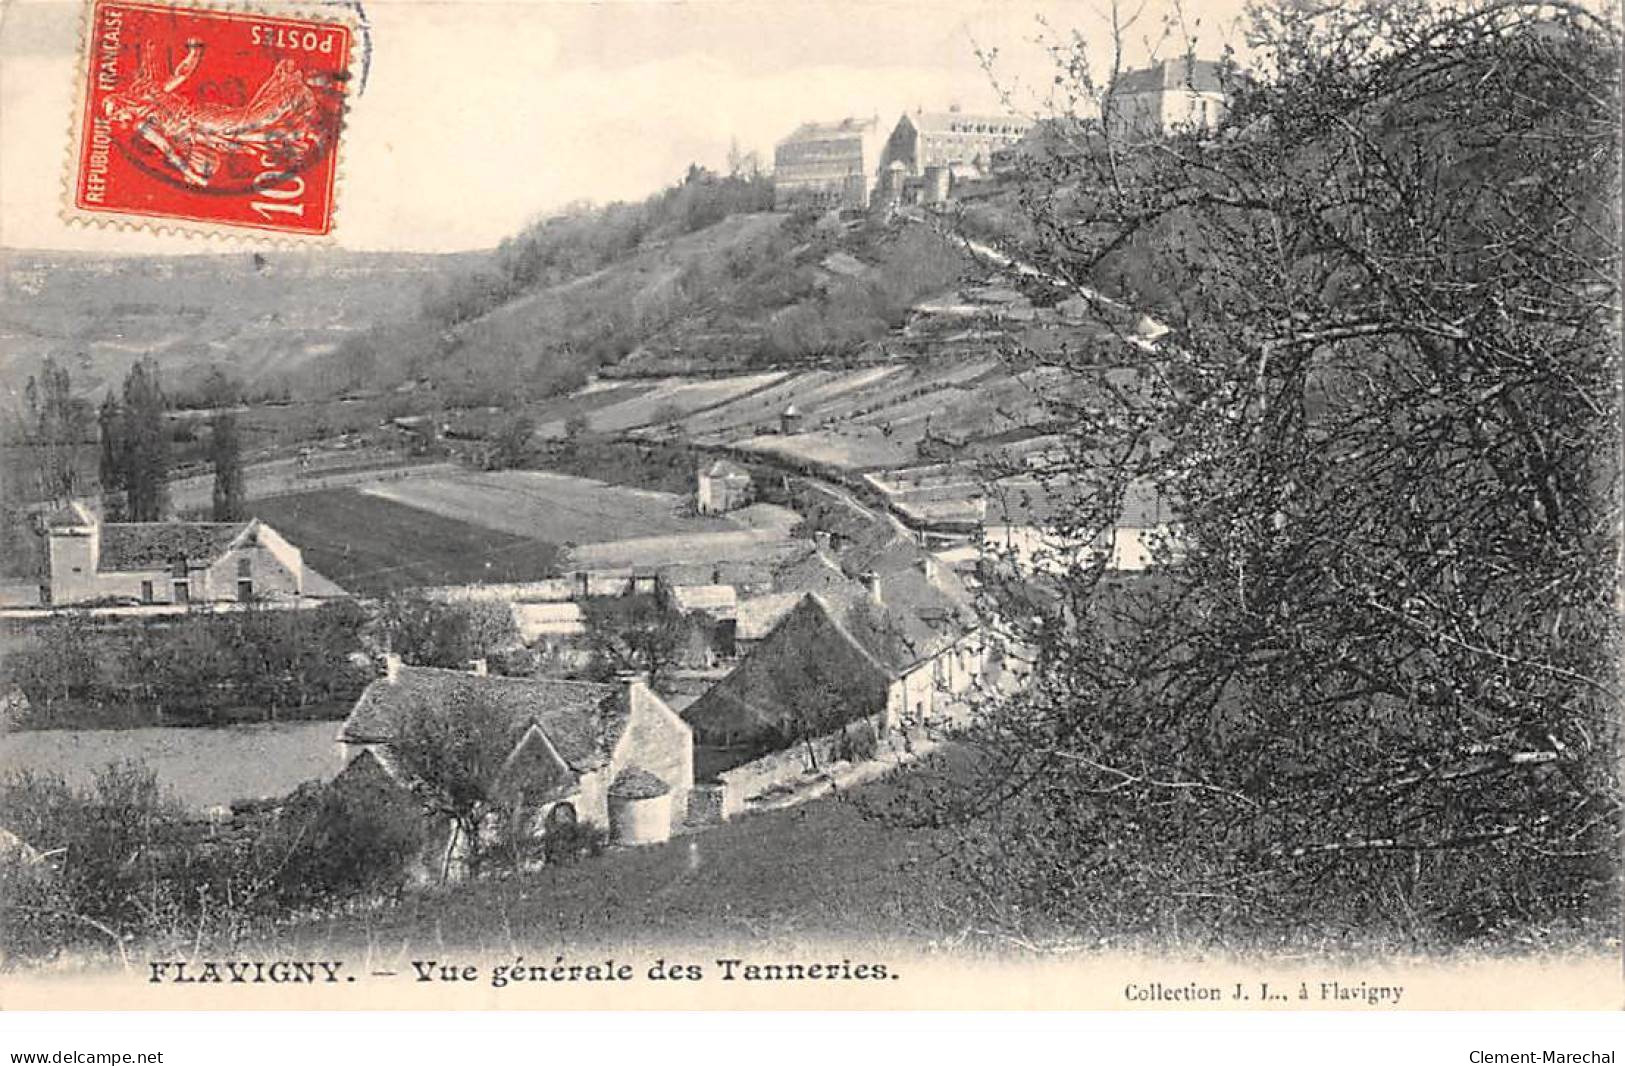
1167, 97
826, 165
928, 150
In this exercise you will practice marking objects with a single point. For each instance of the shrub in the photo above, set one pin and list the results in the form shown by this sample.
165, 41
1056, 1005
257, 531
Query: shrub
330, 844
858, 742
572, 841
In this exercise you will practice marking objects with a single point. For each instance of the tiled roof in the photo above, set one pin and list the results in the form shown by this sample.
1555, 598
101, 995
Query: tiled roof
824, 131
548, 619
533, 769
709, 598
884, 548
583, 721
757, 615
724, 468
154, 545
1202, 75
808, 672
635, 782
72, 513
813, 572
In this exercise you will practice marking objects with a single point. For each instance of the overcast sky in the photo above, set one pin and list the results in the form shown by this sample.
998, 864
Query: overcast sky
480, 116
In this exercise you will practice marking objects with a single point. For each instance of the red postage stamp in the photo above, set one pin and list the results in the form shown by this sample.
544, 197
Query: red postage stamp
224, 118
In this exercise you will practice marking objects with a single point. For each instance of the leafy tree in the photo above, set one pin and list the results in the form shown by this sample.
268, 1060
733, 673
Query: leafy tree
512, 444
429, 632
635, 633
56, 423
135, 445
226, 459
1378, 691
452, 753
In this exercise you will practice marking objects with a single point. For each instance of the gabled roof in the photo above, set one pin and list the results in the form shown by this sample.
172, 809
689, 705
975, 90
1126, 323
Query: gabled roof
635, 783
72, 513
583, 721
709, 598
536, 770
724, 468
882, 548
828, 131
757, 616
813, 572
1181, 73
548, 619
154, 545
809, 674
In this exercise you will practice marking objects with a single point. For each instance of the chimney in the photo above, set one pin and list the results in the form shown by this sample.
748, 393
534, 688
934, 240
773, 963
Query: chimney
392, 667
871, 581
633, 682
477, 667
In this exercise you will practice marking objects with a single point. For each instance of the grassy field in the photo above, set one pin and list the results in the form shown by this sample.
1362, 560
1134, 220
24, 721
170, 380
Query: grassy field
199, 767
551, 507
371, 545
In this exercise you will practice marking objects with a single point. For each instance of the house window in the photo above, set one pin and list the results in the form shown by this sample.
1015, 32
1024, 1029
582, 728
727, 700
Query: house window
178, 568
245, 566
183, 592
245, 590
45, 595
146, 592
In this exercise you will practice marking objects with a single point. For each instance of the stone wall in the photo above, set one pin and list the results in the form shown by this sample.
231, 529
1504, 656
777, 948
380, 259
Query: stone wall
745, 782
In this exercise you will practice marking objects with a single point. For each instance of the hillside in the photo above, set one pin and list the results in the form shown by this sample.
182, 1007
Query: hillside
264, 315
699, 279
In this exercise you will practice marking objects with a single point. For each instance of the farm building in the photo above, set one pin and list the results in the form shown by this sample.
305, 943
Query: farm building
571, 740
721, 487
897, 649
826, 165
176, 563
1172, 95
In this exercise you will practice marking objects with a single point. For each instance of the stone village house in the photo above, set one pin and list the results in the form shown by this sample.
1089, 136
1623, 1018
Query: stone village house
899, 647
721, 486
612, 756
89, 561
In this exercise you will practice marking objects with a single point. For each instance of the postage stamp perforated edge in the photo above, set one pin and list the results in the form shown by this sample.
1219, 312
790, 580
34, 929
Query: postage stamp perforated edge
348, 13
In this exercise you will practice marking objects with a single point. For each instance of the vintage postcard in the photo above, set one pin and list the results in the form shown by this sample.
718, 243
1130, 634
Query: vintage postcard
834, 505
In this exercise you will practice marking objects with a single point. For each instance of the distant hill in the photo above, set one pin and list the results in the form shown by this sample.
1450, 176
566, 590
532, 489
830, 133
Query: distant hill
699, 278
265, 315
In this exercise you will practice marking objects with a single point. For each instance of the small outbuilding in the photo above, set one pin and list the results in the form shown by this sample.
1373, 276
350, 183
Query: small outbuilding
722, 486
639, 808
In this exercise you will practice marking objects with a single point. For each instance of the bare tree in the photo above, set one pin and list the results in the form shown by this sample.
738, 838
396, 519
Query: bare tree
1374, 682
